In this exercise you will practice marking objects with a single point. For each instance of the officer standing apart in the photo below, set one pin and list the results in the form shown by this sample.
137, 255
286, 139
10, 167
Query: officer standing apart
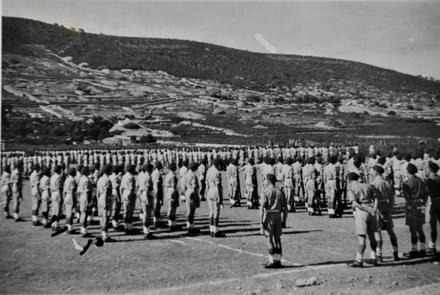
273, 203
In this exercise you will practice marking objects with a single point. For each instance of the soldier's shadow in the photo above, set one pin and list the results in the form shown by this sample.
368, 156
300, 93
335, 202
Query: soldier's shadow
256, 232
413, 261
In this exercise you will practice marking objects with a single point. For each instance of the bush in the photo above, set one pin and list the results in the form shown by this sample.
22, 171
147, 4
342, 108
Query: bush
131, 125
253, 98
147, 139
391, 113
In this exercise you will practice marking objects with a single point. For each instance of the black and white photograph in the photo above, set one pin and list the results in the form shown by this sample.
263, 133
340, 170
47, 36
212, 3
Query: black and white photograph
245, 147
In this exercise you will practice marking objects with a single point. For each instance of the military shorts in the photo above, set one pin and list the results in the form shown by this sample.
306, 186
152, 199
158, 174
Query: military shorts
365, 222
146, 198
69, 199
83, 203
35, 193
6, 192
385, 222
272, 224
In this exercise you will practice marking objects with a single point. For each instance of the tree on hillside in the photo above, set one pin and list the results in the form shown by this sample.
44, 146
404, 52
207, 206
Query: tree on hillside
147, 139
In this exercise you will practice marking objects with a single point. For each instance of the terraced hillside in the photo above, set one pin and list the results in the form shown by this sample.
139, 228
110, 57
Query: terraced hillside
58, 81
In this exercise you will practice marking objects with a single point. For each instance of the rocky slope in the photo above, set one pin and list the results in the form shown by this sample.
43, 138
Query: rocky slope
201, 92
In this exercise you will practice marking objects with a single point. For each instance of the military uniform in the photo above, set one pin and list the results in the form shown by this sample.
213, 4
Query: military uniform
414, 191
201, 176
34, 180
45, 197
70, 201
145, 188
191, 189
55, 197
104, 194
156, 178
329, 177
115, 179
309, 177
364, 200
297, 178
273, 203
128, 186
172, 196
233, 184
251, 190
6, 191
17, 191
85, 191
214, 197
287, 176
433, 187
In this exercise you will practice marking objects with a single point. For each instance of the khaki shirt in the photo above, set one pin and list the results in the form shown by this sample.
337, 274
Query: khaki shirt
128, 182
103, 187
55, 183
362, 193
274, 200
69, 185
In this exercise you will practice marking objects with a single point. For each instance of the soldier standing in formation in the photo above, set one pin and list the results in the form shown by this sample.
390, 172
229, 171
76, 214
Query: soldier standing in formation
55, 197
128, 193
172, 195
214, 197
34, 181
85, 191
115, 179
287, 180
364, 204
251, 186
414, 191
192, 198
201, 176
70, 200
104, 195
384, 216
17, 190
156, 178
233, 183
433, 187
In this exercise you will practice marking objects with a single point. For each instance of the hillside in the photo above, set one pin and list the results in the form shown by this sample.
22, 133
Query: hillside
203, 61
61, 85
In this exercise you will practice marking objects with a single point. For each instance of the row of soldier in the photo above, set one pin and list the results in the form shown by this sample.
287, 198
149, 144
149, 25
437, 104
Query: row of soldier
166, 156
313, 182
85, 192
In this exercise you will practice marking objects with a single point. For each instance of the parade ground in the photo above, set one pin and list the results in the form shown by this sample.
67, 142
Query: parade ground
316, 250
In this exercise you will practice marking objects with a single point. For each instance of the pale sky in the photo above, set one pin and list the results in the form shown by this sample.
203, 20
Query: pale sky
400, 35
